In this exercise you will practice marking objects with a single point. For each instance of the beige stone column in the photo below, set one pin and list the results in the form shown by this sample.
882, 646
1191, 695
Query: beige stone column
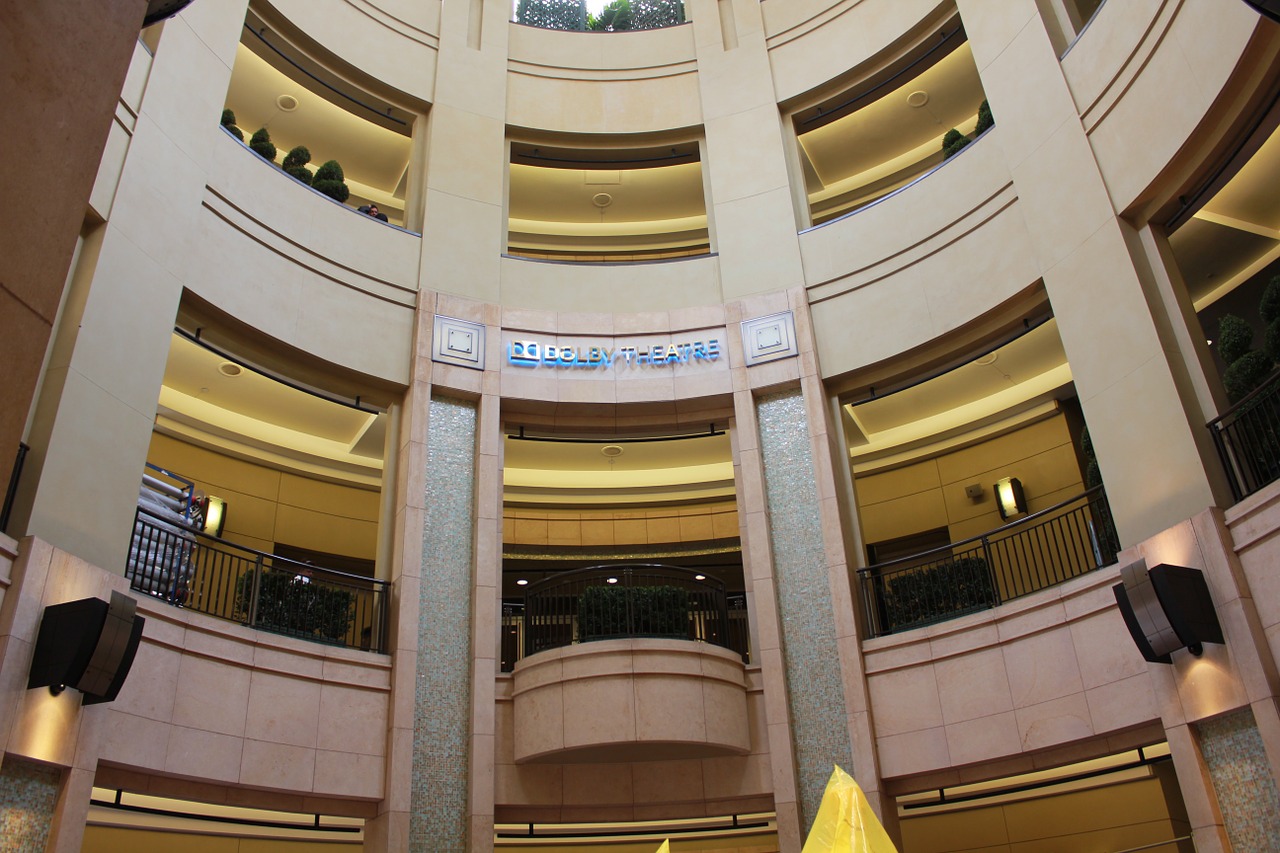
752, 216
795, 551
1131, 376
464, 226
61, 72
92, 425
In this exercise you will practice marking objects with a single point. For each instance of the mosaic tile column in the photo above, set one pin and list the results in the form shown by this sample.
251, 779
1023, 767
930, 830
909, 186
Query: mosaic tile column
28, 795
439, 820
1246, 790
819, 729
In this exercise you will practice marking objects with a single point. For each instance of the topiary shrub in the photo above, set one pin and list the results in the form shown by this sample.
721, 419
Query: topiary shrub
295, 163
1269, 308
292, 604
952, 143
330, 180
984, 118
606, 612
1235, 338
229, 122
933, 593
1245, 374
261, 144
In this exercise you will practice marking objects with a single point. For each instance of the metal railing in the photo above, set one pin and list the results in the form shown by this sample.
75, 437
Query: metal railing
12, 491
1248, 439
633, 600
1039, 551
188, 568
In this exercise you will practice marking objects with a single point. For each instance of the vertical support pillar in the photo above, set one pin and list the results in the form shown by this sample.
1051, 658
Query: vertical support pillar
93, 423
1098, 280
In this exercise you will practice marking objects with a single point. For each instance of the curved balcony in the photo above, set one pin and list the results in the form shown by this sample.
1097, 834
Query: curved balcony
641, 600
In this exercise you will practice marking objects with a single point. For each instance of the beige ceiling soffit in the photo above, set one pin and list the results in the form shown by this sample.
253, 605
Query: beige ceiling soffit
1238, 279
351, 474
873, 462
1238, 224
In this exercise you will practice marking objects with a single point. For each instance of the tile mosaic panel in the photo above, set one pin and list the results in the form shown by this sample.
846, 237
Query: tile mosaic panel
28, 794
819, 731
438, 820
1246, 790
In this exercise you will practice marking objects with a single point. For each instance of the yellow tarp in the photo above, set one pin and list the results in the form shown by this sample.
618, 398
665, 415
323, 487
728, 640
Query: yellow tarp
845, 821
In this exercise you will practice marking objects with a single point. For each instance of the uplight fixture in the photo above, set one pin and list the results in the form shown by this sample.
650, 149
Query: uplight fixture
1010, 499
215, 516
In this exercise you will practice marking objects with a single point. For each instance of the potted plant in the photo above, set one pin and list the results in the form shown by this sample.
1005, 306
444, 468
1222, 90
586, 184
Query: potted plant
606, 612
931, 593
295, 163
331, 181
229, 122
261, 144
296, 605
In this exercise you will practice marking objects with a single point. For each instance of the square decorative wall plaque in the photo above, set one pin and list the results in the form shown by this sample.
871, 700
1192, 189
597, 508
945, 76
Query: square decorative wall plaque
769, 338
458, 342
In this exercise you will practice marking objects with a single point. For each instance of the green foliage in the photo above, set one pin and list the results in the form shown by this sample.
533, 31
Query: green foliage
952, 143
1245, 374
1235, 338
1271, 343
553, 14
295, 163
261, 144
229, 122
330, 180
1269, 306
612, 18
295, 605
922, 596
652, 14
643, 611
984, 118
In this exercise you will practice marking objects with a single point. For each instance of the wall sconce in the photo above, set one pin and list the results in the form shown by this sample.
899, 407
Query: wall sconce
87, 644
1010, 499
1165, 609
215, 516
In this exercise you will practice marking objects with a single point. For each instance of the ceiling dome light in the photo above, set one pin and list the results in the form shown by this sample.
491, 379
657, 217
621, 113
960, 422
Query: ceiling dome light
602, 200
230, 368
287, 103
613, 451
522, 582
918, 98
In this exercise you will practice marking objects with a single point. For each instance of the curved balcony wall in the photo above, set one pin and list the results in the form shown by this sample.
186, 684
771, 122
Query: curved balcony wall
630, 700
1054, 668
296, 265
393, 42
1122, 68
657, 286
626, 82
905, 270
812, 42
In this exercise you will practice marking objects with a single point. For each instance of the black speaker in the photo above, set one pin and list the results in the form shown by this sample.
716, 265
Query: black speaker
1166, 608
87, 644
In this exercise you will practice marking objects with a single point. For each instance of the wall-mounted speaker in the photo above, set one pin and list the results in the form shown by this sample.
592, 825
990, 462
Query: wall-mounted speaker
87, 644
1166, 608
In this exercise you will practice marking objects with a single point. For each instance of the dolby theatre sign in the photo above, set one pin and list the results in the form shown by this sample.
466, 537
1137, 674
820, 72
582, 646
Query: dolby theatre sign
536, 353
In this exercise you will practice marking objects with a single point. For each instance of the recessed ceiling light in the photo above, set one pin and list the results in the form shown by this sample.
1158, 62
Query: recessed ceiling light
287, 103
611, 580
989, 358
918, 98
230, 368
602, 200
522, 582
699, 577
611, 450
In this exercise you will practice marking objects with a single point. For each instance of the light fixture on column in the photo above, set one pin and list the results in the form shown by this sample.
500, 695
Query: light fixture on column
1010, 499
215, 516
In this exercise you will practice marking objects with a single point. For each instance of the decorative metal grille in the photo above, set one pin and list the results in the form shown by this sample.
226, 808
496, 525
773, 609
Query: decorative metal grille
553, 14
652, 14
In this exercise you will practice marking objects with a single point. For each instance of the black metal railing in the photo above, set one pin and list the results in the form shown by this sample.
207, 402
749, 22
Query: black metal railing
1248, 439
634, 600
188, 568
1039, 551
12, 491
